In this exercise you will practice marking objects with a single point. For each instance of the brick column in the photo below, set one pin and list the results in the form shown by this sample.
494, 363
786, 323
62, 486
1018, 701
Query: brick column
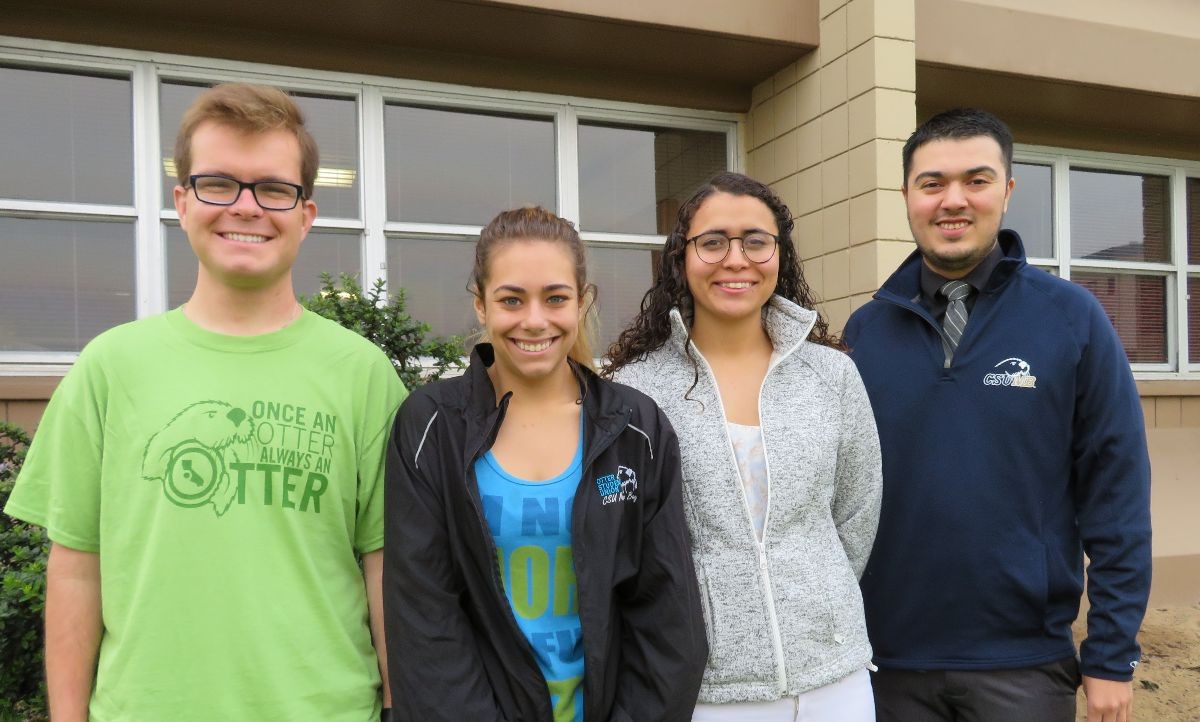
826, 132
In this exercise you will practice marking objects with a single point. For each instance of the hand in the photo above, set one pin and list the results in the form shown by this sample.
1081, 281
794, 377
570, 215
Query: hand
1108, 701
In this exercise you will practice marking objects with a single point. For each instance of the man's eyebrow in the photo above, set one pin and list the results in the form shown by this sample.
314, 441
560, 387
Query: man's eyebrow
968, 172
725, 231
260, 179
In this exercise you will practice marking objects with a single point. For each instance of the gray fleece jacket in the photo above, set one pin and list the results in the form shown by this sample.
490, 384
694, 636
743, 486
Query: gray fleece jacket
784, 615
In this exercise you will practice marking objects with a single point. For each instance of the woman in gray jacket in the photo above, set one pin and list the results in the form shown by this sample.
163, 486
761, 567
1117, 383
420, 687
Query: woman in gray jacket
780, 458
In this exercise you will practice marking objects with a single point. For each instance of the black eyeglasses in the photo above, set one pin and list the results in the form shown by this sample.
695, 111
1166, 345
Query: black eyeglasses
758, 246
218, 190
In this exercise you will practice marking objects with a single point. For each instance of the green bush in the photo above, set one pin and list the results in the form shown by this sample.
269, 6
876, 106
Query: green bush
23, 551
389, 327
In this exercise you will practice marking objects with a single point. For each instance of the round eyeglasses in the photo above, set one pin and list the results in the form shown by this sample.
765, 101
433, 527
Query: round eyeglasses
219, 190
757, 246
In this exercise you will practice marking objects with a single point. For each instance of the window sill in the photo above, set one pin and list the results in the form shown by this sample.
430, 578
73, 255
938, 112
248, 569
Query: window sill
1169, 387
28, 387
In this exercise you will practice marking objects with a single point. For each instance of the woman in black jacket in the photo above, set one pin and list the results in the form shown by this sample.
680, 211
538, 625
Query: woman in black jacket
536, 557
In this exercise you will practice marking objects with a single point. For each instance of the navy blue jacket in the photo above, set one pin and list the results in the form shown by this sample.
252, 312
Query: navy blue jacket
999, 473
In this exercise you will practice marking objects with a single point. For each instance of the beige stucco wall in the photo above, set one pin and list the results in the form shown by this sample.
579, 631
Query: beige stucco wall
1150, 45
826, 133
1172, 410
791, 21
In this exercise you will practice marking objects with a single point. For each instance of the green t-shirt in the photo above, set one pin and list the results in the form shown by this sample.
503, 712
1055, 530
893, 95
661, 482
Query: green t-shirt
229, 485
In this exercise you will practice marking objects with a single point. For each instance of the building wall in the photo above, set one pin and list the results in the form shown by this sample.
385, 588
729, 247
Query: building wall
1172, 411
792, 21
1149, 46
826, 133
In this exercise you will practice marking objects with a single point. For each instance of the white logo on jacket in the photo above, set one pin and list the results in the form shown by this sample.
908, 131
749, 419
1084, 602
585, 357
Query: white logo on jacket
621, 486
1012, 372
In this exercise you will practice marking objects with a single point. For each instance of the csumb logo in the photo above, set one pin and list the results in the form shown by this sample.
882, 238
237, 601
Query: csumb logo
1011, 372
621, 486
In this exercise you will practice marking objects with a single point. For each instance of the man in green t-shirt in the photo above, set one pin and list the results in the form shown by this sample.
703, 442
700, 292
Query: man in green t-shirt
211, 478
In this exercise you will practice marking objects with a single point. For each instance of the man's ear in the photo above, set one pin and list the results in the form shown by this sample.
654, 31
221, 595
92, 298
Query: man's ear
310, 216
180, 196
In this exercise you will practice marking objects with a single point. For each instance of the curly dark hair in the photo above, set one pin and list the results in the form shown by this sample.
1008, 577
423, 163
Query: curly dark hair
651, 328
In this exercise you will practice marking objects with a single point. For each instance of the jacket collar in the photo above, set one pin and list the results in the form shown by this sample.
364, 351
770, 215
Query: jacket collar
904, 285
788, 325
599, 402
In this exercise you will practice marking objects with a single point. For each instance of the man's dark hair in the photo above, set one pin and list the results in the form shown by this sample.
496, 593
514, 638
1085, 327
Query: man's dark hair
959, 124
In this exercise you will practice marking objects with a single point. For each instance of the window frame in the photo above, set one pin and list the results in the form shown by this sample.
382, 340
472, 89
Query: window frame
1176, 271
148, 70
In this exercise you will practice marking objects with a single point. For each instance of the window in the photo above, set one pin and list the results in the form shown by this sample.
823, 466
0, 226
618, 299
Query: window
1193, 259
67, 232
448, 166
1031, 209
633, 180
409, 173
1126, 229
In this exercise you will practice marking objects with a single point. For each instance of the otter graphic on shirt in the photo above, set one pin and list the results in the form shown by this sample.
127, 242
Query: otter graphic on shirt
268, 452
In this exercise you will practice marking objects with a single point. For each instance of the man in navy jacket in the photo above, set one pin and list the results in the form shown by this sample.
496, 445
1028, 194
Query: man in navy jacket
1013, 444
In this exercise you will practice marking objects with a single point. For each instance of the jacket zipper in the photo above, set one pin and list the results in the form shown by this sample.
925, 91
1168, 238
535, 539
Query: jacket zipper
589, 458
759, 545
493, 556
910, 307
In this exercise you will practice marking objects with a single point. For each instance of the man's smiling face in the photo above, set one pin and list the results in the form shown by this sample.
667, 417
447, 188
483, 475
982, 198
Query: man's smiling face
956, 193
241, 245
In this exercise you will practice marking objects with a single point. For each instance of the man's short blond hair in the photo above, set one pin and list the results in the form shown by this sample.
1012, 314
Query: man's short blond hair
249, 109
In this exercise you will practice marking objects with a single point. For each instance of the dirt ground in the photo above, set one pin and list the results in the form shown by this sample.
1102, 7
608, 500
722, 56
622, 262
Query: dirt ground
1167, 683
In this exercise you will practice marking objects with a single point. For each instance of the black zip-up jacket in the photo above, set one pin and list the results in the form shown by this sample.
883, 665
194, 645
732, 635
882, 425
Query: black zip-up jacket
455, 651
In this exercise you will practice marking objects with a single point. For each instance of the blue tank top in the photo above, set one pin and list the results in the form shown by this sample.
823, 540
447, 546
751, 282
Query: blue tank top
530, 522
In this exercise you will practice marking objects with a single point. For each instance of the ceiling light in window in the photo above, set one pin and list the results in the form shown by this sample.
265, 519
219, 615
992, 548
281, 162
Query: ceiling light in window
335, 177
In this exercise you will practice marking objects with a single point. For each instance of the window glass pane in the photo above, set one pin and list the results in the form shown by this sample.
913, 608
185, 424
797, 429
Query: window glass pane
333, 122
1193, 319
66, 137
322, 251
63, 282
433, 273
1031, 208
1119, 216
1137, 307
1193, 220
622, 276
454, 167
633, 179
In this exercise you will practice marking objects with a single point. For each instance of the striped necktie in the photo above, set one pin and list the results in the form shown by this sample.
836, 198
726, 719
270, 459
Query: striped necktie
955, 320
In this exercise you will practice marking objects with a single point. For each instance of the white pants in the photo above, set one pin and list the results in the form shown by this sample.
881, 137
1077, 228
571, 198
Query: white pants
847, 700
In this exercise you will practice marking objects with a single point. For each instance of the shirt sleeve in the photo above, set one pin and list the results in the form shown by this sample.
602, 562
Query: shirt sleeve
435, 668
1112, 502
59, 484
663, 643
384, 394
858, 479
